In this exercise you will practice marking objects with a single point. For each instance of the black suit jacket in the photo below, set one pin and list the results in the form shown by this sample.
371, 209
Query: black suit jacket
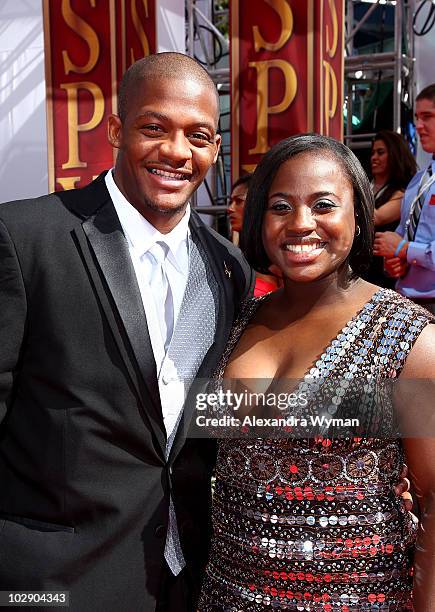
84, 484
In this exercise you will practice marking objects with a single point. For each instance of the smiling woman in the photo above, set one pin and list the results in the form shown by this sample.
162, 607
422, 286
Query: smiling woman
313, 161
309, 222
310, 521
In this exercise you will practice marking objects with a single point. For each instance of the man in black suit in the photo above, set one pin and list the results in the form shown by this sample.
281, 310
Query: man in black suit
101, 335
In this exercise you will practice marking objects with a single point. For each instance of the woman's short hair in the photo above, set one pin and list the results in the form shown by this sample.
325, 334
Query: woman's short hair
401, 164
251, 236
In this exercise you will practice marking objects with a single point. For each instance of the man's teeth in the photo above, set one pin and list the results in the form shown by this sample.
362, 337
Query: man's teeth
303, 248
175, 176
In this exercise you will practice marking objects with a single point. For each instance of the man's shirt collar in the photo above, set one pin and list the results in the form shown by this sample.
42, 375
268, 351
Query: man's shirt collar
141, 234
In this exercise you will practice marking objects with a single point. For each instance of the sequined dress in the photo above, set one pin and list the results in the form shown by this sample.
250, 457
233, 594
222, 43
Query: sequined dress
314, 524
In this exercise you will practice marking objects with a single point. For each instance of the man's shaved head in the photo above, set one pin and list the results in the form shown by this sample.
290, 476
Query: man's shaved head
168, 65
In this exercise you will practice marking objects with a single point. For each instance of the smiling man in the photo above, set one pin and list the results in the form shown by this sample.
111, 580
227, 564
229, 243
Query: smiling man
410, 250
166, 137
113, 298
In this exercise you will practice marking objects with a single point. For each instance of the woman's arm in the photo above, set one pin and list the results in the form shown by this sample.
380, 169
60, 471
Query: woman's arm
416, 393
420, 457
390, 211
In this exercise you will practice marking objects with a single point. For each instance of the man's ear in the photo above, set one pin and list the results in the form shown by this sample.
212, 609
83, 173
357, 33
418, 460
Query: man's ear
114, 131
217, 141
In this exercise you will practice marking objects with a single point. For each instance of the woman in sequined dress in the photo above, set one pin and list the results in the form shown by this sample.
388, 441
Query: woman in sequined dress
313, 523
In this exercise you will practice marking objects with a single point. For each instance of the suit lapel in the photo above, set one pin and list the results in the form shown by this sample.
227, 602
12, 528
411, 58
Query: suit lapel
105, 251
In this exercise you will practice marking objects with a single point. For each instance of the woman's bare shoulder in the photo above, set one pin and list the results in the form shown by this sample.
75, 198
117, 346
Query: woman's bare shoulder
421, 359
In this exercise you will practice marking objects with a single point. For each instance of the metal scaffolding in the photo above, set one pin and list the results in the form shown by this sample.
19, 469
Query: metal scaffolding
206, 42
396, 66
207, 20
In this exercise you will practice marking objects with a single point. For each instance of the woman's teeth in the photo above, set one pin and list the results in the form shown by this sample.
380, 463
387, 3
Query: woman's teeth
304, 248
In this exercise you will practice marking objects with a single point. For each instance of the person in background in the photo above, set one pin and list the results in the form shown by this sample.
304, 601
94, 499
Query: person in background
392, 167
410, 250
264, 283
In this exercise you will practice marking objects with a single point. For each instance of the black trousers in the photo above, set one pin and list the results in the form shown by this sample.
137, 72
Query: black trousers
177, 593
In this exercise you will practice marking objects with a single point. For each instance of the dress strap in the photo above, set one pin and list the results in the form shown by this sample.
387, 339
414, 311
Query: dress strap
404, 322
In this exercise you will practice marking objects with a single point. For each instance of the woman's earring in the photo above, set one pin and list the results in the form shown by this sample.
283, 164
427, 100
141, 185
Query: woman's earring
357, 230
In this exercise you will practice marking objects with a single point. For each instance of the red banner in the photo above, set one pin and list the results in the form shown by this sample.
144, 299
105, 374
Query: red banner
286, 73
136, 31
88, 46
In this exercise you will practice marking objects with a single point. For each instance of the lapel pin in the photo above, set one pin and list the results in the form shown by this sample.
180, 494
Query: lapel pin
227, 270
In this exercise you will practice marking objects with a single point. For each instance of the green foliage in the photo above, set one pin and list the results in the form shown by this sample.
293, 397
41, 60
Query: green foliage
221, 16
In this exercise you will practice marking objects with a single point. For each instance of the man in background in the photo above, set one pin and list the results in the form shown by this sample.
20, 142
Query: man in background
410, 251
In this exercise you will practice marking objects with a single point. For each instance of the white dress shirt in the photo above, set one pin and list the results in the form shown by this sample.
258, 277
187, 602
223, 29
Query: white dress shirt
141, 235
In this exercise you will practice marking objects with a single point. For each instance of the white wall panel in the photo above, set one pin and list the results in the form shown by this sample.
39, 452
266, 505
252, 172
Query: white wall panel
171, 28
23, 140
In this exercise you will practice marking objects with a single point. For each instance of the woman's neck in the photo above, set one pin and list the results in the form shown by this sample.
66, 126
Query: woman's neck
379, 181
315, 298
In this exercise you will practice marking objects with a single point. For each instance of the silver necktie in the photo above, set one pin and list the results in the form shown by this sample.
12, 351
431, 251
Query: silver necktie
162, 296
161, 290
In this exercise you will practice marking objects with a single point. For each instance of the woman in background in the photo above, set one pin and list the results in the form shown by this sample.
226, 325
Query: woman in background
264, 283
392, 167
